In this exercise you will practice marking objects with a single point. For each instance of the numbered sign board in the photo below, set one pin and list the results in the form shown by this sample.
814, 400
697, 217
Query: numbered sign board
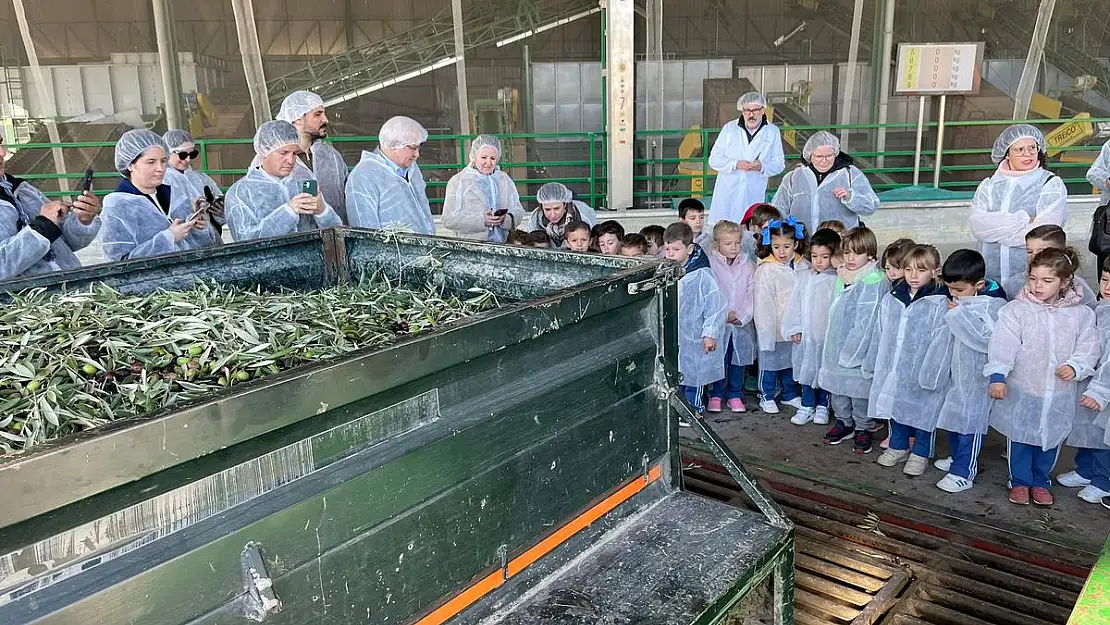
938, 68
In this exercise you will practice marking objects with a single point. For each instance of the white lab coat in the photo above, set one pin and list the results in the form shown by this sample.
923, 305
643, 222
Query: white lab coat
736, 189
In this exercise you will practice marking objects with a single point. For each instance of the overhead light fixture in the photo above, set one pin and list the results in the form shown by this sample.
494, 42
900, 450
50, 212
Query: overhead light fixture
566, 20
790, 35
389, 82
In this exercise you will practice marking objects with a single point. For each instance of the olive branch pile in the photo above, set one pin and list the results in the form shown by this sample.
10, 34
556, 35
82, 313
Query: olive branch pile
74, 361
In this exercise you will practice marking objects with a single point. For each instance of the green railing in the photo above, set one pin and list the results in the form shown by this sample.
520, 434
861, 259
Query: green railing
657, 178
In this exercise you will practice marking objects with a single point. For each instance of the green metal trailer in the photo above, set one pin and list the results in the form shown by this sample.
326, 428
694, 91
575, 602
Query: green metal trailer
518, 466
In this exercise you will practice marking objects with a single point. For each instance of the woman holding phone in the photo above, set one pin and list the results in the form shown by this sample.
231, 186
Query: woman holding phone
276, 197
183, 178
143, 216
482, 203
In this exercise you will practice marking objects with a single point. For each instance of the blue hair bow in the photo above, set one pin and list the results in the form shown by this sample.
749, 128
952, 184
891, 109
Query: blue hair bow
789, 222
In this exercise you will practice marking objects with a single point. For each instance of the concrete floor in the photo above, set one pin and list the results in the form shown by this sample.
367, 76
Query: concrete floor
771, 440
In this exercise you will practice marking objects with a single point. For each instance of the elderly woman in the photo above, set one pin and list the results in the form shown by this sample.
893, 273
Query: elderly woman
825, 186
144, 216
1020, 196
482, 203
190, 182
386, 188
271, 201
558, 209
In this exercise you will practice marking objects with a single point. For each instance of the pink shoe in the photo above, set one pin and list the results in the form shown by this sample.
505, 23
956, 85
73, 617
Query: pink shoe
714, 405
736, 405
886, 443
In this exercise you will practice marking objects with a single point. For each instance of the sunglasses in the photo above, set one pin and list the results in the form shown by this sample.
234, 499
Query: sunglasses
189, 155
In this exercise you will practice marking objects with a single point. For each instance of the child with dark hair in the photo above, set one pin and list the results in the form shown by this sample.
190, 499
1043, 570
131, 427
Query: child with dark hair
973, 306
577, 236
654, 236
853, 318
908, 385
609, 236
538, 238
1045, 342
806, 321
517, 237
634, 244
778, 251
894, 257
701, 315
1089, 435
757, 216
1048, 236
692, 212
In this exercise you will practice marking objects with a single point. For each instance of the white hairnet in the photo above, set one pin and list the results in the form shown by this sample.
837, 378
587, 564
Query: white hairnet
298, 104
554, 192
177, 139
132, 145
400, 131
484, 141
273, 135
1012, 135
820, 139
752, 97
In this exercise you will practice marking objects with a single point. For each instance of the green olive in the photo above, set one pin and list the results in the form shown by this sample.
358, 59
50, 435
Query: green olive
242, 376
196, 350
89, 369
34, 385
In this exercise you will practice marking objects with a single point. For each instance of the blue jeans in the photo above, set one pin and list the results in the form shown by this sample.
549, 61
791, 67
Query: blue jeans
965, 454
693, 395
900, 439
1094, 465
814, 397
769, 380
732, 387
1030, 465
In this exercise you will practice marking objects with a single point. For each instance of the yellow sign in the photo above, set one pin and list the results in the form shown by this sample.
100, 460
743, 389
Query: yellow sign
1069, 134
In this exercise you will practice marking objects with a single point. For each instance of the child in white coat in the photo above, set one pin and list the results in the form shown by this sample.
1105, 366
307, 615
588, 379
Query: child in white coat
774, 284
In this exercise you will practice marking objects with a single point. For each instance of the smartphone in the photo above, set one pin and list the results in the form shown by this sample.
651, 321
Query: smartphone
208, 197
501, 212
310, 187
86, 183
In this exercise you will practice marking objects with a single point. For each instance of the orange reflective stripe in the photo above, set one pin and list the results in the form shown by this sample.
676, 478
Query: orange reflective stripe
489, 583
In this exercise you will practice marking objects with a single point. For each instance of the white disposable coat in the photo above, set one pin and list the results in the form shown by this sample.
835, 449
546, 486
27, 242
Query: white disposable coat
258, 206
736, 282
190, 183
330, 170
1031, 341
536, 222
1084, 431
1099, 173
966, 408
807, 313
378, 196
1017, 283
1000, 216
774, 284
853, 319
135, 228
910, 377
701, 313
737, 189
800, 195
24, 252
470, 195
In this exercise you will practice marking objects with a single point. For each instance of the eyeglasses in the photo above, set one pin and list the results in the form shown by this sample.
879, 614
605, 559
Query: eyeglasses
188, 155
1028, 150
754, 111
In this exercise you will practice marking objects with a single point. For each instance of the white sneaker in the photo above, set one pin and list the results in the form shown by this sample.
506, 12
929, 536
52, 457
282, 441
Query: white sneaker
916, 465
1071, 479
682, 423
891, 457
803, 416
795, 403
1092, 494
821, 415
769, 406
954, 484
945, 464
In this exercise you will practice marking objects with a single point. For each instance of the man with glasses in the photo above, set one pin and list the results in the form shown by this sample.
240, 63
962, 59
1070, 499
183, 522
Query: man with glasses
38, 235
189, 182
305, 110
386, 188
747, 152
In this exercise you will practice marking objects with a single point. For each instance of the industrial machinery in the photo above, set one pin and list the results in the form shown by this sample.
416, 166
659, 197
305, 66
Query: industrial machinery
517, 466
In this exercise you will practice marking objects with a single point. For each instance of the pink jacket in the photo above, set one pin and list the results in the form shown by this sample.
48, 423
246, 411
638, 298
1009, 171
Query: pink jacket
737, 284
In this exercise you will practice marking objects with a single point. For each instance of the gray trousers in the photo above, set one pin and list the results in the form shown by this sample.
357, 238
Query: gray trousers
851, 411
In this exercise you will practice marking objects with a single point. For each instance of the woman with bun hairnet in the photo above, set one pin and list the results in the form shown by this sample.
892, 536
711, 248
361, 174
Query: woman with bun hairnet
826, 186
190, 182
145, 217
1021, 195
269, 201
482, 203
558, 209
386, 188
